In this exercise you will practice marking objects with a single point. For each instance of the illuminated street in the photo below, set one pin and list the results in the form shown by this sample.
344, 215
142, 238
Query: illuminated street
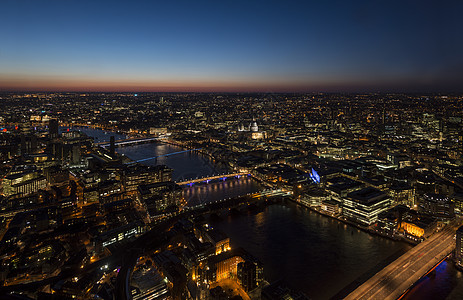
395, 279
231, 150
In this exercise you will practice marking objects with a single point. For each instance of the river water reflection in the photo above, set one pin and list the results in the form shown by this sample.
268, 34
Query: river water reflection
186, 165
312, 253
445, 283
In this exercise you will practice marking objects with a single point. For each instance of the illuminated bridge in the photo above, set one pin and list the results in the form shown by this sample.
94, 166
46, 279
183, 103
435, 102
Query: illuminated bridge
222, 177
222, 204
398, 277
163, 155
129, 142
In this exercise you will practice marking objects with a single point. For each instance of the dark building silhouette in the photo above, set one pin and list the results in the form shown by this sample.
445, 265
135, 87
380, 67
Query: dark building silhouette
247, 275
53, 128
112, 147
29, 143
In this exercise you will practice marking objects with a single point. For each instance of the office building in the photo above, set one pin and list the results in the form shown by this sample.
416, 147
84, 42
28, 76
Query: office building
365, 205
436, 205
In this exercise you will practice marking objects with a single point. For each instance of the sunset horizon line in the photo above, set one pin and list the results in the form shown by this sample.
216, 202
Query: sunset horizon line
232, 91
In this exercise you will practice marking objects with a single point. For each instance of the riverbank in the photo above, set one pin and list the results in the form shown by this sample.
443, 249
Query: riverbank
305, 249
364, 277
354, 224
302, 241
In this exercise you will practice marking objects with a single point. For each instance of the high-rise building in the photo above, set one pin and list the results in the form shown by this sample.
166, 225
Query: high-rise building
53, 128
29, 143
112, 147
75, 155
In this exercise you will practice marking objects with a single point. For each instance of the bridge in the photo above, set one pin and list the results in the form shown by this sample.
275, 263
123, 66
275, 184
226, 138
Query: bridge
163, 155
94, 126
222, 177
129, 142
232, 202
272, 192
398, 277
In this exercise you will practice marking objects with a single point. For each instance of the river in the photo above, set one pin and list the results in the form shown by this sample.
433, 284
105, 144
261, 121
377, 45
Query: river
445, 283
185, 165
312, 253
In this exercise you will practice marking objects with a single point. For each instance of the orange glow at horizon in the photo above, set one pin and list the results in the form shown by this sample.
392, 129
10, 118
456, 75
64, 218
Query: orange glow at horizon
74, 84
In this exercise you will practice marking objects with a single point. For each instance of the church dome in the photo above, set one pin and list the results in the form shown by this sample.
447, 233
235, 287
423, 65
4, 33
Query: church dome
254, 126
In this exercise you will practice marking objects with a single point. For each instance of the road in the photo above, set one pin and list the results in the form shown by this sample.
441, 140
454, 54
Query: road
392, 281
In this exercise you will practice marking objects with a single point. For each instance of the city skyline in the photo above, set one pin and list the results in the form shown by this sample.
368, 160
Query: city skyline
232, 195
242, 150
231, 47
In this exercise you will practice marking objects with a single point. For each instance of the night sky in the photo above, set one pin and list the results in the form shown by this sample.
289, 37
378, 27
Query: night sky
221, 45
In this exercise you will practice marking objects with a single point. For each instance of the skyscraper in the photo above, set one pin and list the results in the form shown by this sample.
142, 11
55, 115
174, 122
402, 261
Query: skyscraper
112, 147
53, 128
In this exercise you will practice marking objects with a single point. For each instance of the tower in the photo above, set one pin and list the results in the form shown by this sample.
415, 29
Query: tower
75, 155
53, 128
384, 115
112, 147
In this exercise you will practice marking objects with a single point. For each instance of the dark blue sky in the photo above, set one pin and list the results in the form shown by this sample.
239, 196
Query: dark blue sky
231, 45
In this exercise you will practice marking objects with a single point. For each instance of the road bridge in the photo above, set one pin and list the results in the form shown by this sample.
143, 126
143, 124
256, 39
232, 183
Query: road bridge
207, 179
399, 276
